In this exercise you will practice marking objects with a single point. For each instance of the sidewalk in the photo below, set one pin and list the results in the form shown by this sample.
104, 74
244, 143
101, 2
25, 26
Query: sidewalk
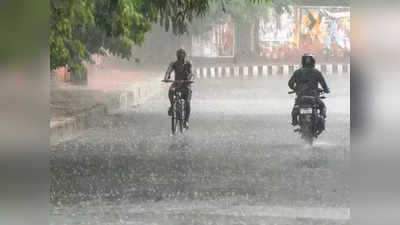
79, 107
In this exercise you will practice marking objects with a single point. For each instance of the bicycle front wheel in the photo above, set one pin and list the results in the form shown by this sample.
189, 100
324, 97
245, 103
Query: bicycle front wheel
181, 127
173, 121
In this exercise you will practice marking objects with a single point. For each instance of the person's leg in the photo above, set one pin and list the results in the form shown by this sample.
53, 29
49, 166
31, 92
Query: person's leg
322, 114
170, 96
188, 98
171, 99
295, 112
322, 108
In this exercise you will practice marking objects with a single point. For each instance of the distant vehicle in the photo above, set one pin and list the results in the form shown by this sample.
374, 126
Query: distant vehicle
309, 118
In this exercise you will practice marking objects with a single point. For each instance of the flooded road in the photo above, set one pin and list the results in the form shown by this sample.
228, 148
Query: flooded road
240, 162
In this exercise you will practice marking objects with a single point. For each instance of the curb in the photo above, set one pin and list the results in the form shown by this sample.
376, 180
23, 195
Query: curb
117, 101
264, 71
80, 121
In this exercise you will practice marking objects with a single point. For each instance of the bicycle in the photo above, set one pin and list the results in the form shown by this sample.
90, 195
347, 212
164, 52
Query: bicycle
178, 105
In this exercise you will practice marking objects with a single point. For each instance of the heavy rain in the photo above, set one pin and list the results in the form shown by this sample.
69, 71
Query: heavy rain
115, 160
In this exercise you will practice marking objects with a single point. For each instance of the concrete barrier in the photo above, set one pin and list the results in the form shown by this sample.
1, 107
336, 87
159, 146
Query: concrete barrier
264, 71
133, 95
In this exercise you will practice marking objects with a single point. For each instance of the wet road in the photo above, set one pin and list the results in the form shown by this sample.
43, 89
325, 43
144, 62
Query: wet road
240, 163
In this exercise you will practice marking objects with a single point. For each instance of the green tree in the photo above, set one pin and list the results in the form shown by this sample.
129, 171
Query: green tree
79, 28
69, 23
241, 12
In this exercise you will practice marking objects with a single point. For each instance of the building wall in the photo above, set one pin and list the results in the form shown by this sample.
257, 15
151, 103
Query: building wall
283, 40
323, 31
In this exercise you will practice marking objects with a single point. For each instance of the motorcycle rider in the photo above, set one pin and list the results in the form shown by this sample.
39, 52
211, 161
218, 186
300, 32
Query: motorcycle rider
183, 71
305, 83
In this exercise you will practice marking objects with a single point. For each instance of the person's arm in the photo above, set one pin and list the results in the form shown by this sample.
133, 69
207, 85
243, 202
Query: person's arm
191, 76
292, 82
323, 83
189, 70
169, 71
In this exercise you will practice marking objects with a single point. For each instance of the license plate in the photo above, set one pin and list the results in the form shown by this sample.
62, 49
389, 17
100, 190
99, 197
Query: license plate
306, 111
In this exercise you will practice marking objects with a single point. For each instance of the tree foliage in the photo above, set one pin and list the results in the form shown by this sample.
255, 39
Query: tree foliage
247, 11
79, 28
239, 11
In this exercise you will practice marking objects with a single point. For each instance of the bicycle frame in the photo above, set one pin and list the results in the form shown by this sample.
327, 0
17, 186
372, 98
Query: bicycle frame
179, 105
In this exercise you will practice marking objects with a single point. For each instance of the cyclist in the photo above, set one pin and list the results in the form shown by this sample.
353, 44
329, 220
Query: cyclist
183, 71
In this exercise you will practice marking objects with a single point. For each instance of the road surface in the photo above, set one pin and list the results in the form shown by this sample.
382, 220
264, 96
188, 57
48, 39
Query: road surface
240, 163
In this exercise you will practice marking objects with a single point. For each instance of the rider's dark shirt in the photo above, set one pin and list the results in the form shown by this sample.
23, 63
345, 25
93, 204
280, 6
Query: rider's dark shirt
183, 71
305, 81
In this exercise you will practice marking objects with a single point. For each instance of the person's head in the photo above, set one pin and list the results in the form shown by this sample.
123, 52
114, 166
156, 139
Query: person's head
307, 60
181, 54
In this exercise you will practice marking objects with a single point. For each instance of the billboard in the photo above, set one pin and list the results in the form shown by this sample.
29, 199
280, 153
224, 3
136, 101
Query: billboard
277, 32
324, 30
275, 27
217, 42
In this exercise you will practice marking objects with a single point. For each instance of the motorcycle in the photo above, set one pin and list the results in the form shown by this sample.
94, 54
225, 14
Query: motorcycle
309, 118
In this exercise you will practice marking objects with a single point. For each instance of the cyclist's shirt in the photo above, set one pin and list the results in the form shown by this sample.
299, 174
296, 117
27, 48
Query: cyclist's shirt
183, 71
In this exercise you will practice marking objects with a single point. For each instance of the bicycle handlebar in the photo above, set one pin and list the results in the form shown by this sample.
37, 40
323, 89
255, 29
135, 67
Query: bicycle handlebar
319, 90
178, 81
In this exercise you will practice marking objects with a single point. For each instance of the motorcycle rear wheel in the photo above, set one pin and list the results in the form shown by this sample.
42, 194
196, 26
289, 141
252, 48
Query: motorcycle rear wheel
307, 135
309, 139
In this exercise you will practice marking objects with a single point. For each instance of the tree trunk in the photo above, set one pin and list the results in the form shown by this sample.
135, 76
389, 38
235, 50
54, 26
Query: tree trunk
243, 39
79, 76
